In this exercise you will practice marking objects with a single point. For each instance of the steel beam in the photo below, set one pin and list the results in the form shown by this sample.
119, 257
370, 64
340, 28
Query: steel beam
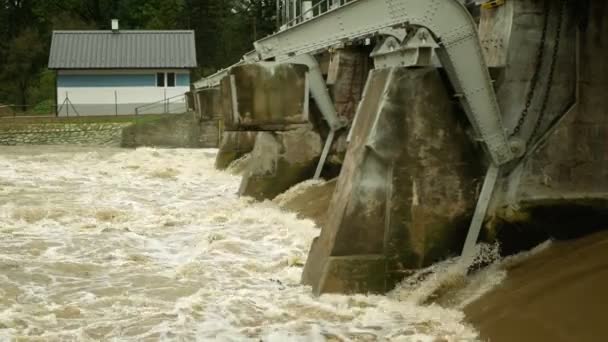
450, 24
483, 202
319, 91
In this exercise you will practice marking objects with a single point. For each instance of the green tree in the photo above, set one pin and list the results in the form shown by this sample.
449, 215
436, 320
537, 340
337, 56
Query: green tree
152, 14
224, 31
25, 55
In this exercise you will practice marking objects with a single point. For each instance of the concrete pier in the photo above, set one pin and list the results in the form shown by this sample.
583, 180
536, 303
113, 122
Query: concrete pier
234, 145
406, 190
265, 96
259, 98
209, 104
266, 114
208, 112
280, 160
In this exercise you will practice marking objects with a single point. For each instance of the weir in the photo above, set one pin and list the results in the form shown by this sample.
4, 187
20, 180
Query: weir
410, 168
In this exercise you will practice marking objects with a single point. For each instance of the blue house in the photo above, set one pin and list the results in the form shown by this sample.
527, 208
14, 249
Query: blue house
120, 72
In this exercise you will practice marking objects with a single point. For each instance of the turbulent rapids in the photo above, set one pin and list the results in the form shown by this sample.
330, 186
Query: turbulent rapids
104, 244
155, 245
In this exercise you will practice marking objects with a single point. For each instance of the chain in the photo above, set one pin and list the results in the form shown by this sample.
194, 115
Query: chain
535, 77
545, 101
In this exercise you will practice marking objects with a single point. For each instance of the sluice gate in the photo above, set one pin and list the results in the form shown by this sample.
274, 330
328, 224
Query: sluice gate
410, 103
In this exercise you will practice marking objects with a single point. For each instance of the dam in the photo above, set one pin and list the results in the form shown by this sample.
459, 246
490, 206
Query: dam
389, 170
444, 123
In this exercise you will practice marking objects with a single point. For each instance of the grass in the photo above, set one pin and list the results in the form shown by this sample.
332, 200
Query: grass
44, 107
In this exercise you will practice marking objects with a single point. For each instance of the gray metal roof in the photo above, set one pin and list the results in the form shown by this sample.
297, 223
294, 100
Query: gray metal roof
123, 49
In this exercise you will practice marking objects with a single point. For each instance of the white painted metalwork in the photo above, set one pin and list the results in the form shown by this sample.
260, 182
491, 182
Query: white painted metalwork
319, 91
235, 102
306, 111
451, 26
326, 148
293, 12
468, 251
416, 49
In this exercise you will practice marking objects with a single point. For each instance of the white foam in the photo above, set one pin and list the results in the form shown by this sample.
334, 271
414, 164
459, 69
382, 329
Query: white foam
297, 190
181, 257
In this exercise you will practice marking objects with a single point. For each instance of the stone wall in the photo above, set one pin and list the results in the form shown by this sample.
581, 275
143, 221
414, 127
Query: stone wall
87, 133
169, 130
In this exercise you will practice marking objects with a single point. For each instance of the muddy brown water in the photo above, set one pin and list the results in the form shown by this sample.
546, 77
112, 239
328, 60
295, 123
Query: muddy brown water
155, 245
559, 294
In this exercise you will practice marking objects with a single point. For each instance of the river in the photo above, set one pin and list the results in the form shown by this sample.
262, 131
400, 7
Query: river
155, 245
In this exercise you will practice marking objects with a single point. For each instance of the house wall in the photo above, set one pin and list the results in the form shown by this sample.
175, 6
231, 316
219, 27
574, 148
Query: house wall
119, 92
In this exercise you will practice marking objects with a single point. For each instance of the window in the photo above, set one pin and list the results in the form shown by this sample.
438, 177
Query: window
170, 79
160, 79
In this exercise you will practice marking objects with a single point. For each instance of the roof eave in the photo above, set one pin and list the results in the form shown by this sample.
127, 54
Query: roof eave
122, 68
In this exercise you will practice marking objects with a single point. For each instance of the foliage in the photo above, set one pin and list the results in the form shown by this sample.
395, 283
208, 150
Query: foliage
44, 108
25, 54
224, 31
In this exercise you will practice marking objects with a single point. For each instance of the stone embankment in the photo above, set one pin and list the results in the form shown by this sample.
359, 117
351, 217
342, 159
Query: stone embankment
170, 131
103, 134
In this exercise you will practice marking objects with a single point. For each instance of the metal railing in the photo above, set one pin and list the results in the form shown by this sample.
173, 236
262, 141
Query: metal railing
172, 105
293, 12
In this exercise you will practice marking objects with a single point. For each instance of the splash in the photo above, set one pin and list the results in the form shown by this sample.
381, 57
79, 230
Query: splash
297, 190
239, 166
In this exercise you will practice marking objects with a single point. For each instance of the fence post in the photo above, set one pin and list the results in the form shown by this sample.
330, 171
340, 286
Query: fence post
116, 103
165, 102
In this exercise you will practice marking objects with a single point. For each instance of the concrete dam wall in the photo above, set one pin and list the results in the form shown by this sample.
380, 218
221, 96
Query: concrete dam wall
409, 164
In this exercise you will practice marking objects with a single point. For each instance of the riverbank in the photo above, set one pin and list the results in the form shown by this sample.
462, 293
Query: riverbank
156, 130
81, 130
558, 294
